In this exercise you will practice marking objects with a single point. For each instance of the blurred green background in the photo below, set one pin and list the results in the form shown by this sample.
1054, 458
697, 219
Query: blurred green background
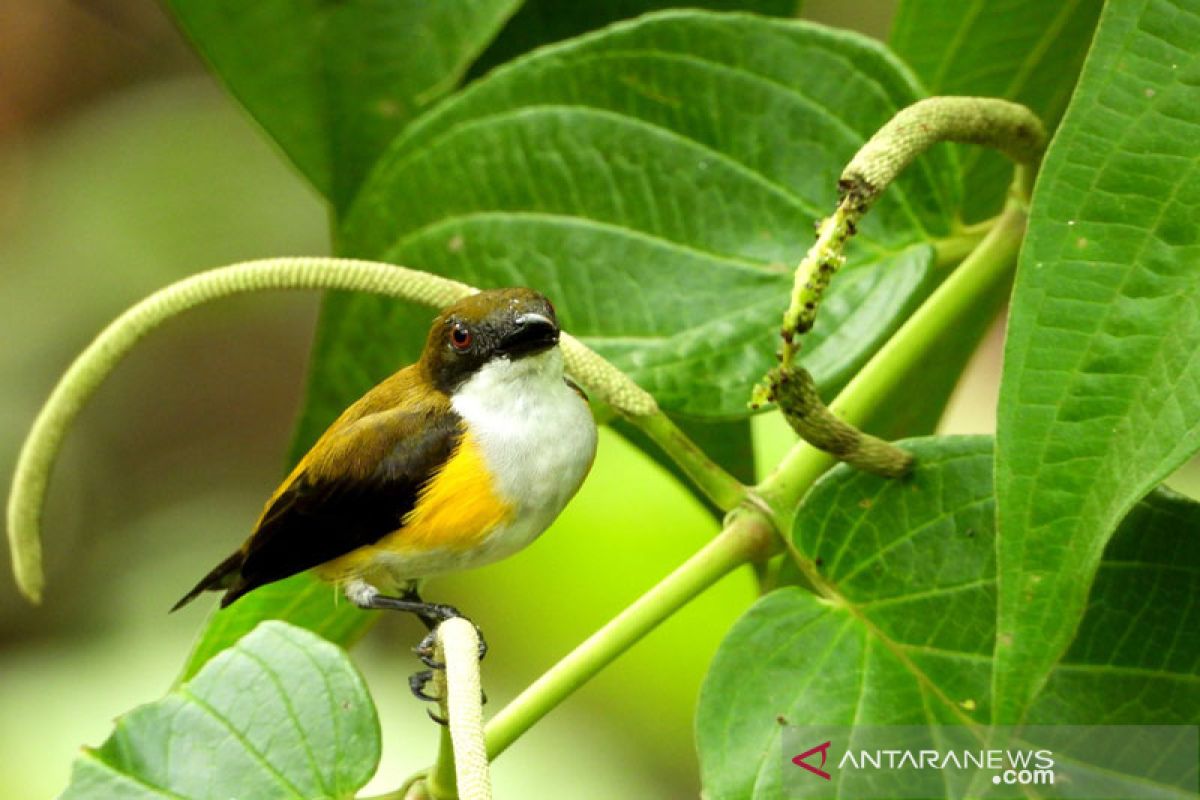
123, 167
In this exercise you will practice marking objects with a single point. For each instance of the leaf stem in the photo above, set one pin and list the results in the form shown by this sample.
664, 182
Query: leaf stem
952, 249
747, 536
439, 780
725, 491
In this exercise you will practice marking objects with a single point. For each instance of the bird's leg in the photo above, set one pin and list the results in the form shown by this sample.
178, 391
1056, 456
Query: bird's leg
364, 595
413, 595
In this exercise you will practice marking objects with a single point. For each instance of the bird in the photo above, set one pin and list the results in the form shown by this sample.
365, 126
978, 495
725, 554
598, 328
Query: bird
453, 462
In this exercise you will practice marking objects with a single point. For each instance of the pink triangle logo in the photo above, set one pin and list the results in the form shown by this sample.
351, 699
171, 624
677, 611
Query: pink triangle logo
823, 749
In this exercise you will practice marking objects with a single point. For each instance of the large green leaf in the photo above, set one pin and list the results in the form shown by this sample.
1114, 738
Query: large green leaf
282, 714
1100, 398
333, 83
902, 633
301, 600
540, 22
1029, 51
657, 180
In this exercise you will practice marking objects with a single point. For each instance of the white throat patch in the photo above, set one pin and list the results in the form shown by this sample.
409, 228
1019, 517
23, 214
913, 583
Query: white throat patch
537, 436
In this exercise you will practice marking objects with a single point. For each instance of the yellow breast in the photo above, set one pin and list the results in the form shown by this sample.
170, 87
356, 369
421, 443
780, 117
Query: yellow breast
457, 509
454, 514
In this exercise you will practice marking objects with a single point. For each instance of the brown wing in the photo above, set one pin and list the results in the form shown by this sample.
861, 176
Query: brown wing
320, 516
354, 487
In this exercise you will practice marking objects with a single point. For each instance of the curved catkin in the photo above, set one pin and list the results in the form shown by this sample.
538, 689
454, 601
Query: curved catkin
795, 392
1009, 127
458, 646
93, 365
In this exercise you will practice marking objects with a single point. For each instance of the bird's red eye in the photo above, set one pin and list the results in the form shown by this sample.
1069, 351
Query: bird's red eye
460, 337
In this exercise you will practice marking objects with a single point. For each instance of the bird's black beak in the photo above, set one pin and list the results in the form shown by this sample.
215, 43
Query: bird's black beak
531, 334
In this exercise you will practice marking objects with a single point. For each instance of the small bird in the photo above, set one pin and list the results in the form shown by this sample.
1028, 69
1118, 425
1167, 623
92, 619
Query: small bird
458, 460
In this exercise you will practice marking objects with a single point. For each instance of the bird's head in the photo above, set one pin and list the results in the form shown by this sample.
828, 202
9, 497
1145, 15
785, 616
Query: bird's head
510, 332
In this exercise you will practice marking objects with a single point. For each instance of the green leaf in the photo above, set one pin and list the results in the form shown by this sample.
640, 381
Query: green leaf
1142, 616
1029, 51
301, 600
540, 22
684, 155
903, 630
282, 713
1100, 398
333, 83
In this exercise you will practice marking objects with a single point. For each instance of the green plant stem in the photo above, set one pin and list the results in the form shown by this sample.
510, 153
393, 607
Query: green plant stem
952, 249
747, 536
440, 779
724, 490
896, 363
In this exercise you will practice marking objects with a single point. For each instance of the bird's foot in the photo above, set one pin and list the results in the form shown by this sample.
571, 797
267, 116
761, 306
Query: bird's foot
418, 683
427, 647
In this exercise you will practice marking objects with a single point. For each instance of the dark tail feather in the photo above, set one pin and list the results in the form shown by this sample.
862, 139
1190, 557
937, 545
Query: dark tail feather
223, 576
238, 586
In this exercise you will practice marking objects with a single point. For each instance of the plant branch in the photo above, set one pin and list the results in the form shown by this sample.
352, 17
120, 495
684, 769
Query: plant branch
725, 491
952, 249
747, 536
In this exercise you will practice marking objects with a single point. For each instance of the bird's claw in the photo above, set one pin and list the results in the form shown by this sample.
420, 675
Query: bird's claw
426, 648
417, 683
